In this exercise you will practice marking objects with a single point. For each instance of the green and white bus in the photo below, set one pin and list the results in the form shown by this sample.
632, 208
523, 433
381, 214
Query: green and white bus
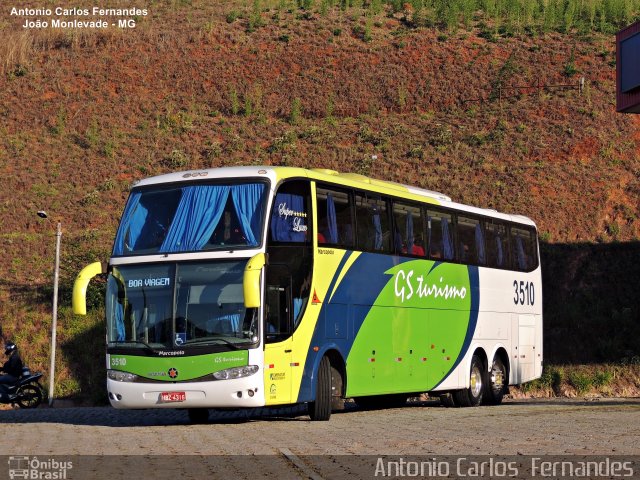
255, 286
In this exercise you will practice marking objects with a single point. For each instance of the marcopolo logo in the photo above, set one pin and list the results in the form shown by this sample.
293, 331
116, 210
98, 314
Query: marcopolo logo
40, 469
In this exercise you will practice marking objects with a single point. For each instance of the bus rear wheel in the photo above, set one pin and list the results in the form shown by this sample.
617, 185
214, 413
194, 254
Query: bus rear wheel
320, 408
497, 384
472, 396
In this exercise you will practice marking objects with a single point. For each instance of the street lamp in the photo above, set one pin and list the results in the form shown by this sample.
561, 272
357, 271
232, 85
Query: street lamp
54, 322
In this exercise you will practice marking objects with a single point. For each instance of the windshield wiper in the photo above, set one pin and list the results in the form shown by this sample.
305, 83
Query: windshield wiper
137, 342
212, 339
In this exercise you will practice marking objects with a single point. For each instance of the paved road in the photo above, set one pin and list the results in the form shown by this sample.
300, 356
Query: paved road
280, 438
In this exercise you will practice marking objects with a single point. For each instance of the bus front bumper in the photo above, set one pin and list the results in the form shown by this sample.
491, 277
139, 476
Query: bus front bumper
237, 393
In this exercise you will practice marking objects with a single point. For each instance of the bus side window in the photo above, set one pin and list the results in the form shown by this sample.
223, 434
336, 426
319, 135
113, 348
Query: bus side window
372, 223
408, 234
497, 245
335, 223
471, 240
440, 236
523, 248
291, 214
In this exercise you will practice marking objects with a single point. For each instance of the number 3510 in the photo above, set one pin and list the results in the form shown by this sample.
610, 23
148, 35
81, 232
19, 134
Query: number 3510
524, 293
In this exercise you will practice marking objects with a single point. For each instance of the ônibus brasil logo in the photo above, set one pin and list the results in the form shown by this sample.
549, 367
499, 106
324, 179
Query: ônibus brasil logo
35, 468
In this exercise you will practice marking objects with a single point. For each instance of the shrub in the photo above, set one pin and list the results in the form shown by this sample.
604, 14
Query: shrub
602, 379
235, 103
581, 382
551, 379
232, 16
176, 159
296, 111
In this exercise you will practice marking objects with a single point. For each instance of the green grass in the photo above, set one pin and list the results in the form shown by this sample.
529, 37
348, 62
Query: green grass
582, 382
582, 379
499, 17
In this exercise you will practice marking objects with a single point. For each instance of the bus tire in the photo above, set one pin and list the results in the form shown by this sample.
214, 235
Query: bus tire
497, 385
337, 399
198, 415
472, 396
320, 408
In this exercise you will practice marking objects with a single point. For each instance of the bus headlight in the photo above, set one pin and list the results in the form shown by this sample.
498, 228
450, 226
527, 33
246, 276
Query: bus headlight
119, 376
236, 372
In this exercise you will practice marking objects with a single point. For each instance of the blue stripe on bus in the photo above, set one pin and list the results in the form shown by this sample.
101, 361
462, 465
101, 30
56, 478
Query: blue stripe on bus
474, 284
363, 281
336, 275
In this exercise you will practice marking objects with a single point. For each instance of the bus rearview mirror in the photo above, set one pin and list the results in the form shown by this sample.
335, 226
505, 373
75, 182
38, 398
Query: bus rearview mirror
251, 280
79, 299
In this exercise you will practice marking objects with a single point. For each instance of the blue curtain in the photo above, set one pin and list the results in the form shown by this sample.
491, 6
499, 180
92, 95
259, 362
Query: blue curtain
228, 324
331, 219
378, 228
482, 258
522, 259
132, 221
246, 199
119, 313
138, 220
409, 233
447, 244
500, 253
196, 218
397, 239
285, 224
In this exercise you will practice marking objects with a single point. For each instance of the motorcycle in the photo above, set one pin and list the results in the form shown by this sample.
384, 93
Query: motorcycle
26, 392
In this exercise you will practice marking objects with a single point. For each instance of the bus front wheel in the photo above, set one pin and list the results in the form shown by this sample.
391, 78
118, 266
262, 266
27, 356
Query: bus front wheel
320, 408
472, 396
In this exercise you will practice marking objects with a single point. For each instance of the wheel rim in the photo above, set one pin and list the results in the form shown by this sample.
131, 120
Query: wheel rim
497, 377
30, 397
476, 382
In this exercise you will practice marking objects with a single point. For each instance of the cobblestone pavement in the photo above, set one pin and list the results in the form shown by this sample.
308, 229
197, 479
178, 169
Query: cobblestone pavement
280, 437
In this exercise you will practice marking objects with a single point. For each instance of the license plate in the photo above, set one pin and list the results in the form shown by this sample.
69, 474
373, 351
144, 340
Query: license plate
173, 396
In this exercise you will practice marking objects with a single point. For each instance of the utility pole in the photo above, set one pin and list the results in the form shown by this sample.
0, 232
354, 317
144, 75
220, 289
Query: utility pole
54, 315
54, 322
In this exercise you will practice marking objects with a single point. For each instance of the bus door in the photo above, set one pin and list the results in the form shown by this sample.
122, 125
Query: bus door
525, 347
277, 335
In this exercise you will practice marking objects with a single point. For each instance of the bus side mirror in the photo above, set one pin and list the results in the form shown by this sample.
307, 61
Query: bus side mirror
79, 299
251, 280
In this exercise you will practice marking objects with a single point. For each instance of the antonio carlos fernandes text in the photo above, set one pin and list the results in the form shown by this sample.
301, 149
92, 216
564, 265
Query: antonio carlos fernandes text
494, 468
79, 12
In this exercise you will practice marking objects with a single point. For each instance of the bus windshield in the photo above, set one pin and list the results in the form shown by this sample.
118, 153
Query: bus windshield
193, 217
175, 305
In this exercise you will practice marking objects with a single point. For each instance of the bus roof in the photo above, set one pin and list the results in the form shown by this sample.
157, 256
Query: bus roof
354, 180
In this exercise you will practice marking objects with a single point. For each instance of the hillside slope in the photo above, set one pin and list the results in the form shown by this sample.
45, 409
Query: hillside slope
85, 113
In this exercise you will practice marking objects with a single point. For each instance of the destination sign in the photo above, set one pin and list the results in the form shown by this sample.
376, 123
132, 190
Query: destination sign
149, 282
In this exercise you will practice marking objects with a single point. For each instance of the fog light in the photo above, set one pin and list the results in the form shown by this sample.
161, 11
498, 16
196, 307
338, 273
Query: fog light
250, 392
